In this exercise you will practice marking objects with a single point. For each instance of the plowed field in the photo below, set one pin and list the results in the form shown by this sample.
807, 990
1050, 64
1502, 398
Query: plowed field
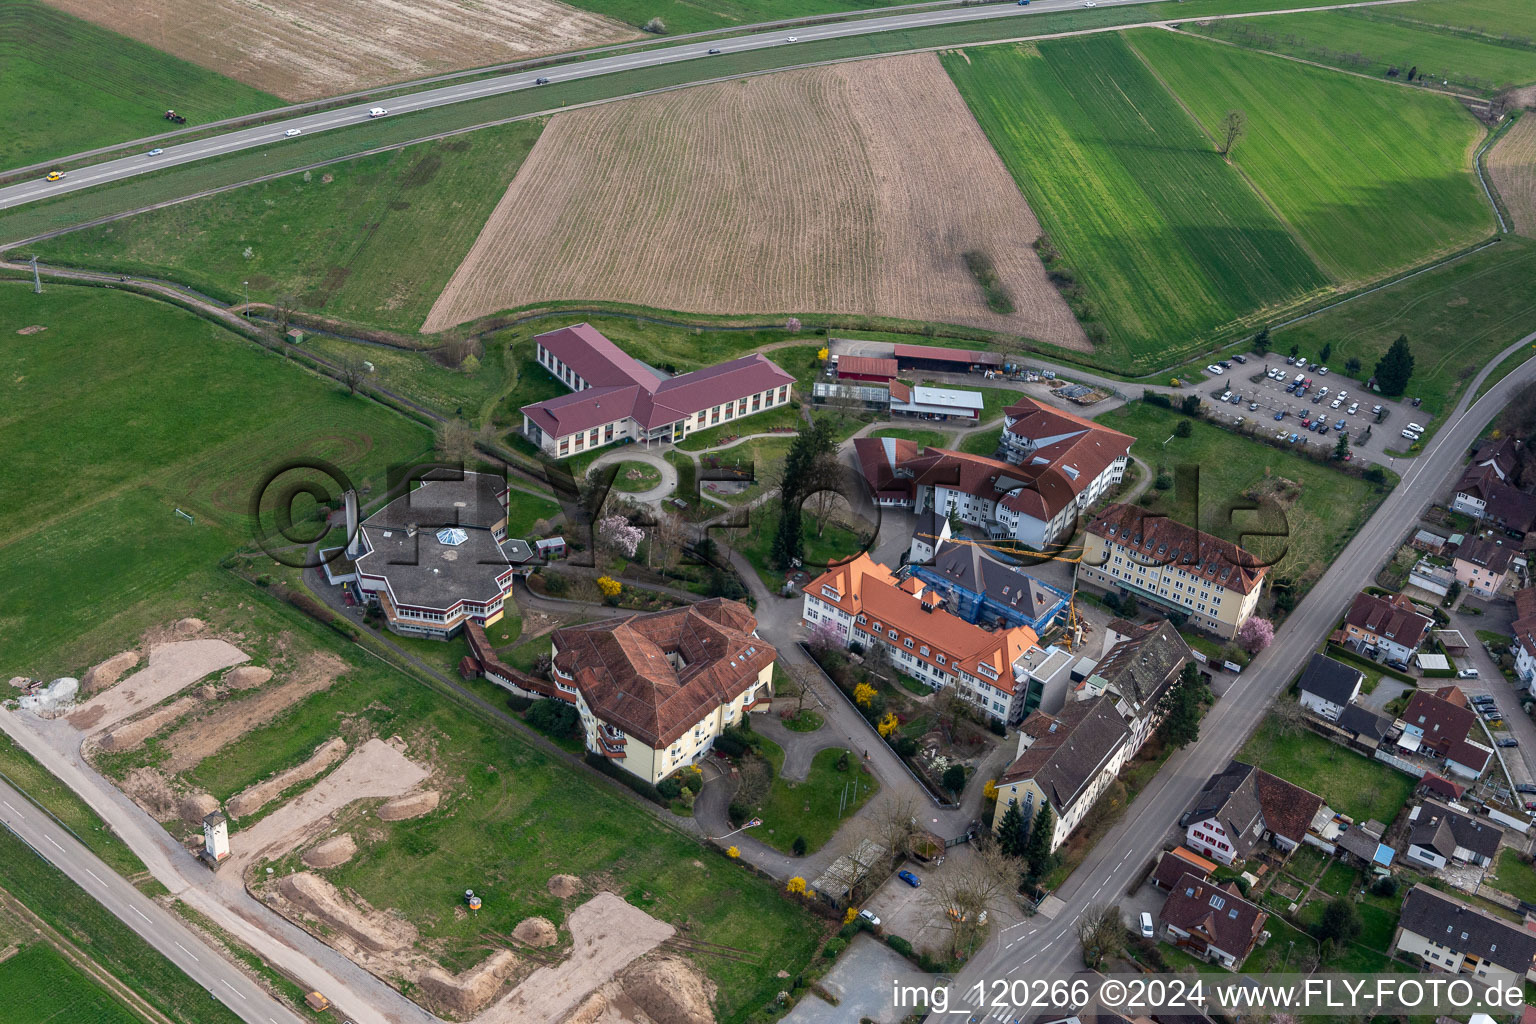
1512, 164
852, 189
304, 49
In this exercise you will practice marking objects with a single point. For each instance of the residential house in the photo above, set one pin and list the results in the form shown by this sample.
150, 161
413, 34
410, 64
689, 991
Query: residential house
1212, 921
1160, 560
655, 690
1364, 726
1327, 687
1440, 723
1174, 864
1441, 834
1487, 490
1242, 805
930, 530
1450, 936
866, 604
1137, 673
1524, 632
1482, 565
1390, 628
1066, 760
615, 398
984, 590
1362, 845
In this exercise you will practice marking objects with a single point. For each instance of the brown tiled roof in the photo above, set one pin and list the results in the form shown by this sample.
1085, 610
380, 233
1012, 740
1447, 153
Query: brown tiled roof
1178, 862
868, 366
1484, 553
1077, 451
591, 356
900, 392
1450, 922
1071, 748
1445, 722
622, 669
1288, 809
1218, 914
961, 356
1523, 629
1158, 540
1441, 785
1395, 618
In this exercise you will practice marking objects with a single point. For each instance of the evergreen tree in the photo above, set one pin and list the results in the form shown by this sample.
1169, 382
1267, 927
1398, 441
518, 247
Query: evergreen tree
1342, 448
1013, 832
1037, 850
1352, 366
1327, 351
1261, 342
1395, 368
1182, 707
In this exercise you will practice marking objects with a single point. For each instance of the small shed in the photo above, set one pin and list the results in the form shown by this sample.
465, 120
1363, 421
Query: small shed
1432, 662
550, 547
1451, 639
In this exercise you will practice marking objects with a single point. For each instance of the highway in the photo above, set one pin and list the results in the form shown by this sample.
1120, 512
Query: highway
1041, 948
274, 134
156, 925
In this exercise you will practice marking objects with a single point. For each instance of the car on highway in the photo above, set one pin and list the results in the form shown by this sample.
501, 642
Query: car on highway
910, 879
1023, 3
155, 152
1089, 3
1467, 673
1213, 368
714, 52
291, 132
792, 39
377, 112
55, 176
541, 81
869, 916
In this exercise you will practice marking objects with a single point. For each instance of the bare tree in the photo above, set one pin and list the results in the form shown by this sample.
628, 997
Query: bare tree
455, 441
950, 707
352, 372
891, 824
968, 888
1233, 126
1101, 934
1290, 717
821, 482
457, 348
668, 536
282, 315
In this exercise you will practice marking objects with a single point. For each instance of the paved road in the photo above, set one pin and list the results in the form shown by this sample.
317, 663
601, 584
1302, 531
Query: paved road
273, 134
156, 925
1041, 948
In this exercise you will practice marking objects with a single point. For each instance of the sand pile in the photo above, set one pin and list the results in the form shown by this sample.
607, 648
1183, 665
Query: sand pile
564, 886
330, 853
195, 807
377, 931
536, 931
670, 991
468, 992
187, 627
247, 677
99, 677
411, 805
126, 737
249, 800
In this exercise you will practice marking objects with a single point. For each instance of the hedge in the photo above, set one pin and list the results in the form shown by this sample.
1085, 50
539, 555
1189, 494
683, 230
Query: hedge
635, 783
1338, 653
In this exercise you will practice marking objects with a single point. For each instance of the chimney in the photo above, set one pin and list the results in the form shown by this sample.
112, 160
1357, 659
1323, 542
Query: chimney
354, 534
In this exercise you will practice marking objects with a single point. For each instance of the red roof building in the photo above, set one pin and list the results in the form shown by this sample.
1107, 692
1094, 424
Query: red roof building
1440, 724
869, 368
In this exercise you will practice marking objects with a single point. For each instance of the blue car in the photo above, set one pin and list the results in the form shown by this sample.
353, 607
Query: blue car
1340, 425
910, 879
1294, 437
1280, 415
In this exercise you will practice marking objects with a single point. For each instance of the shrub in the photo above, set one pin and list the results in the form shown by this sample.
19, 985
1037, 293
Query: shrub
556, 584
655, 26
905, 746
693, 781
833, 948
738, 812
954, 778
798, 846
554, 717
899, 944
997, 727
519, 704
634, 782
1385, 886
670, 788
730, 746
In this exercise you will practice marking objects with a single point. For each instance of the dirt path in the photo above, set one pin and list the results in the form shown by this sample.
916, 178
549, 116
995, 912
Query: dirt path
172, 667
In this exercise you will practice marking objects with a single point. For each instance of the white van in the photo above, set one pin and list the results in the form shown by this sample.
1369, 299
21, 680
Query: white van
377, 112
1410, 435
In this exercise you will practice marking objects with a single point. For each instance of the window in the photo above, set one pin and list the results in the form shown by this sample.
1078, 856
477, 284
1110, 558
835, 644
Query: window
907, 643
924, 650
891, 633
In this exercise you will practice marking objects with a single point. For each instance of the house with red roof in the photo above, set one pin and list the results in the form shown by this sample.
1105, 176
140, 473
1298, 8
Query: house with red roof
1441, 724
614, 397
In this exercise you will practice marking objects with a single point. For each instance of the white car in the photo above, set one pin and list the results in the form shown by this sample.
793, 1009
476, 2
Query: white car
1343, 394
870, 917
1322, 370
1213, 368
155, 152
1322, 392
1410, 435
1335, 403
792, 39
291, 132
377, 112
1467, 673
1415, 428
1089, 3
1353, 407
1146, 925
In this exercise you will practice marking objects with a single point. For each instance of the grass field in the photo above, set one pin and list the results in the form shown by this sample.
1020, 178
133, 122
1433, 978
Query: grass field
682, 16
1350, 783
67, 85
91, 927
1514, 876
1370, 175
1369, 43
1457, 318
1513, 20
38, 986
1322, 506
1167, 239
928, 438
121, 411
329, 242
815, 808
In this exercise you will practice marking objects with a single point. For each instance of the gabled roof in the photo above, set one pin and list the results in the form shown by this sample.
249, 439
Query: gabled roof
1442, 829
1523, 629
1174, 864
969, 566
1070, 751
1218, 914
1159, 540
1331, 680
1364, 722
1503, 455
1440, 918
958, 356
1243, 795
867, 366
1443, 721
655, 675
1441, 786
1140, 667
1288, 809
595, 359
1394, 618
1486, 554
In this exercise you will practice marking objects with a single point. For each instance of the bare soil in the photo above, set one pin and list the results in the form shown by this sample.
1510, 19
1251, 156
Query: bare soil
856, 188
331, 853
1512, 165
131, 734
206, 736
305, 49
247, 677
151, 791
376, 930
467, 992
536, 931
264, 792
32, 329
670, 991
412, 805
564, 886
172, 667
106, 674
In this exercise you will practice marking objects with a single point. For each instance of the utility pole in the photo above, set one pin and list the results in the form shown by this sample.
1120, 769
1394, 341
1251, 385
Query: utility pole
247, 310
37, 282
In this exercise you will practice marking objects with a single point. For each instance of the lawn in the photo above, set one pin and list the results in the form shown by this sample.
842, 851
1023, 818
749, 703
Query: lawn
1350, 783
1514, 876
927, 438
67, 86
1370, 43
122, 411
328, 242
38, 986
762, 457
1370, 175
1168, 240
1457, 318
1506, 20
815, 808
835, 545
1313, 507
981, 442
634, 477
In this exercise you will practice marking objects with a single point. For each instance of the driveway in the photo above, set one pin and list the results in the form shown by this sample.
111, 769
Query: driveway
864, 983
1521, 760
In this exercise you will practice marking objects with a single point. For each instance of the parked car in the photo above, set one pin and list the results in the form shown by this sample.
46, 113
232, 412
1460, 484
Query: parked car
910, 879
1353, 407
1415, 428
1322, 428
1252, 406
1239, 357
1290, 360
1375, 410
1295, 438
1410, 435
1509, 743
870, 917
1343, 393
1339, 426
1146, 925
1280, 415
1525, 787
1213, 368
1322, 369
1467, 673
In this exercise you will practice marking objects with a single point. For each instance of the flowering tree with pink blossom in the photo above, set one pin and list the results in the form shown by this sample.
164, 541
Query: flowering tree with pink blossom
825, 637
1256, 635
617, 534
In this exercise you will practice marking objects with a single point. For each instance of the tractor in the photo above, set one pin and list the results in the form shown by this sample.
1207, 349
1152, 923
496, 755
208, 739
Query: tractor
171, 115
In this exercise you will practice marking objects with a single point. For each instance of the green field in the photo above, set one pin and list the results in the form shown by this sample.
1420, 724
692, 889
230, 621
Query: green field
1457, 318
681, 16
1370, 42
67, 86
1168, 240
371, 241
1370, 175
38, 986
1350, 783
927, 438
1511, 20
815, 808
1323, 506
123, 410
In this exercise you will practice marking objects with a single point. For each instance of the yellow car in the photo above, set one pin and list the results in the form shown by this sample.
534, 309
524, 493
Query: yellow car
56, 176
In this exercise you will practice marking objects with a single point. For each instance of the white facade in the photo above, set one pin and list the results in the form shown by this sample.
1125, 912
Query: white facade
1442, 957
1525, 662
